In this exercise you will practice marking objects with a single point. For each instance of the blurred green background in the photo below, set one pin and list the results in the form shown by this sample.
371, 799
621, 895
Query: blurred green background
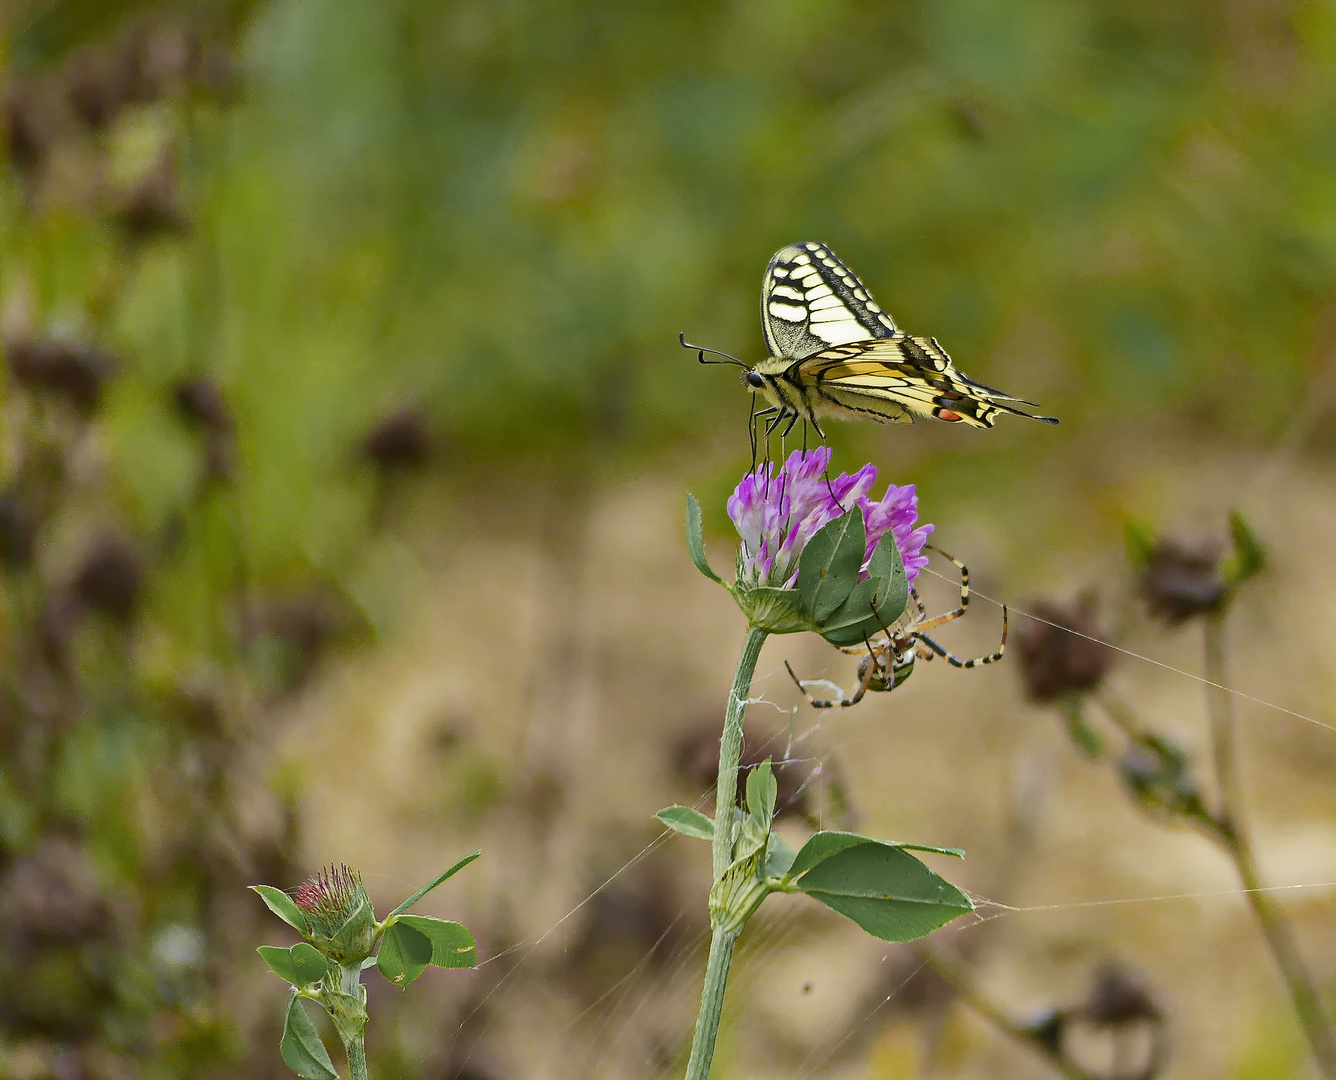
345, 432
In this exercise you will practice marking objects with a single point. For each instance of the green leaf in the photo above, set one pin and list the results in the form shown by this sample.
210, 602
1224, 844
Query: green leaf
281, 904
887, 568
696, 541
871, 605
778, 857
1140, 542
452, 946
300, 965
823, 845
878, 885
1248, 557
404, 953
1072, 712
308, 964
427, 888
280, 962
854, 621
687, 821
762, 791
301, 1048
780, 611
829, 565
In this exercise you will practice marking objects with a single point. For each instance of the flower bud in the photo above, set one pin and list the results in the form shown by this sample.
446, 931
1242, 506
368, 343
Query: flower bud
342, 923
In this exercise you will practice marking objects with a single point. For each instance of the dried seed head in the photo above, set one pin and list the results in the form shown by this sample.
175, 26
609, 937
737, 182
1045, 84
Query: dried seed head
53, 895
1120, 996
71, 370
1179, 582
110, 578
28, 133
200, 401
400, 440
18, 532
1056, 662
152, 206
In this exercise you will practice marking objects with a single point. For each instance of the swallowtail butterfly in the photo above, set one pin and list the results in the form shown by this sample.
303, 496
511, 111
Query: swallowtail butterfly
835, 352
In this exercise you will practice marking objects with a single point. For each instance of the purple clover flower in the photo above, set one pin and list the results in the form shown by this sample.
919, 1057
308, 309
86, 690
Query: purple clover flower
777, 513
339, 917
331, 895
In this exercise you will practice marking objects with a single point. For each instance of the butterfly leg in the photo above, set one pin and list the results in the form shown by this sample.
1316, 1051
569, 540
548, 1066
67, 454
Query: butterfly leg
793, 419
754, 425
810, 418
978, 660
780, 415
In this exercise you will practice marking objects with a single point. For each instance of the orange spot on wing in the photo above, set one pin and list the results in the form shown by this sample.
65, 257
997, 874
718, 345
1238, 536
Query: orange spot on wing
948, 416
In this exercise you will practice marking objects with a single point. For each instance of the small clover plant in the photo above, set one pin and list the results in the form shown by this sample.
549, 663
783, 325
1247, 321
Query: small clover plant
817, 555
333, 914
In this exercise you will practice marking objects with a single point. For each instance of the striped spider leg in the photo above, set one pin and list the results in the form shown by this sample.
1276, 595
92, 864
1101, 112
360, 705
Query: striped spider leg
889, 660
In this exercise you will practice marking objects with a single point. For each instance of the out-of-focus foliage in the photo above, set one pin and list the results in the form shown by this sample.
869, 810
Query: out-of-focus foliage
510, 208
262, 259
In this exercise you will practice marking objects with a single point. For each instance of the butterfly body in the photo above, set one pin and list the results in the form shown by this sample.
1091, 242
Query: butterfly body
833, 351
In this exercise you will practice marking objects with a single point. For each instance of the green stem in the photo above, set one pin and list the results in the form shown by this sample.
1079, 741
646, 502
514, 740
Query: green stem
725, 829
356, 1051
1229, 827
347, 1008
711, 1003
954, 975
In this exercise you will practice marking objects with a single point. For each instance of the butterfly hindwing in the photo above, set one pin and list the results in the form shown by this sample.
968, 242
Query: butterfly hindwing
810, 301
886, 377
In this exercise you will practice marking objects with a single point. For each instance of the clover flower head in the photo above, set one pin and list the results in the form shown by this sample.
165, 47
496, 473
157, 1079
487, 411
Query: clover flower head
341, 922
331, 895
777, 511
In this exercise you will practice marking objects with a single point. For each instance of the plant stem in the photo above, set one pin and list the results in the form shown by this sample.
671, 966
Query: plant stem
725, 828
1233, 835
356, 1051
347, 1009
711, 1003
955, 977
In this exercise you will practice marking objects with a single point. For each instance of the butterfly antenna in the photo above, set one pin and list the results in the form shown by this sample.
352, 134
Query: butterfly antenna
701, 350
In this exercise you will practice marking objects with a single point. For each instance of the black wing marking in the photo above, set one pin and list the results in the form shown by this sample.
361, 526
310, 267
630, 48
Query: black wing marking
811, 301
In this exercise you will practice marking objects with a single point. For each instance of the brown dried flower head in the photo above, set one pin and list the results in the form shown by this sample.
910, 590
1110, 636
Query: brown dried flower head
1054, 662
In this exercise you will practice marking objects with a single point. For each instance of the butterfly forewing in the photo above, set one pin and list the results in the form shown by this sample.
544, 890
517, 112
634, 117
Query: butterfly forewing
811, 301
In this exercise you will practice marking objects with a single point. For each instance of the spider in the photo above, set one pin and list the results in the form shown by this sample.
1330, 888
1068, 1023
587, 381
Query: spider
903, 645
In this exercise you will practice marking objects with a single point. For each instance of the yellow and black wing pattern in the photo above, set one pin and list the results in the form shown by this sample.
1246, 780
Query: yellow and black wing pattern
835, 351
